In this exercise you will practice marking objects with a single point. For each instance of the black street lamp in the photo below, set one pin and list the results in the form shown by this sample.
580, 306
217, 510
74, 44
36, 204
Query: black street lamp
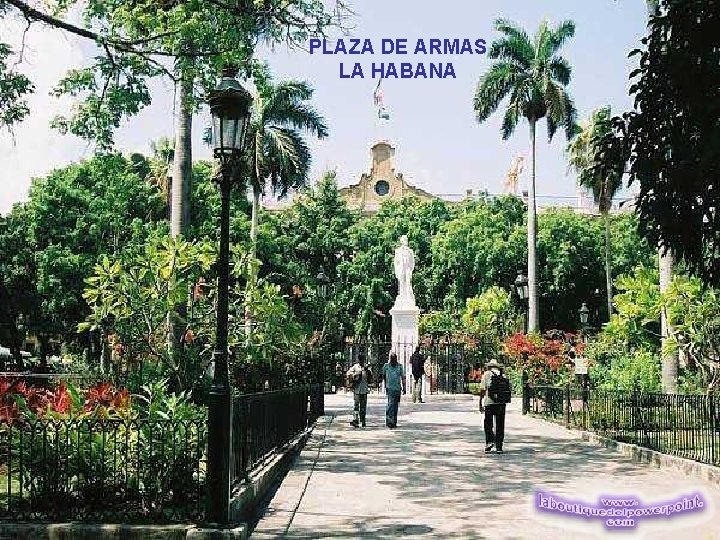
323, 282
584, 312
521, 286
323, 291
230, 109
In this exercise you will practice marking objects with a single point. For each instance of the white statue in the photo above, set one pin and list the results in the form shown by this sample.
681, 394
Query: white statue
404, 266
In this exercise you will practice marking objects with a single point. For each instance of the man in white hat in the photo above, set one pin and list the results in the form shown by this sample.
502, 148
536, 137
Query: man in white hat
494, 396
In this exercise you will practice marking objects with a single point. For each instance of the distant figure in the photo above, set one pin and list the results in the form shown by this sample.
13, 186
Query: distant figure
494, 396
358, 378
394, 378
417, 362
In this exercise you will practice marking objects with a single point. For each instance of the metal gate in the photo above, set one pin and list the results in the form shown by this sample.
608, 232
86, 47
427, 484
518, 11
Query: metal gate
446, 365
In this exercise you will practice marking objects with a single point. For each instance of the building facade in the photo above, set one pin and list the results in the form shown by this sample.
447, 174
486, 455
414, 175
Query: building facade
381, 184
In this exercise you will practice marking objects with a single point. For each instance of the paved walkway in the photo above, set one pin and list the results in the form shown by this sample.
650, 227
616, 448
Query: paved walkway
429, 478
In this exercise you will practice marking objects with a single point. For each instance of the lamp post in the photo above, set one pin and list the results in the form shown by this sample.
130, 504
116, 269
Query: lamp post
584, 313
230, 109
323, 284
521, 286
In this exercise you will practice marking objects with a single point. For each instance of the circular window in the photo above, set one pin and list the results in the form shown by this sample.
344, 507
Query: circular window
382, 187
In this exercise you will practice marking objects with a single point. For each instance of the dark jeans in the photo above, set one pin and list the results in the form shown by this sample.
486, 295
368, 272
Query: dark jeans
495, 413
393, 401
360, 408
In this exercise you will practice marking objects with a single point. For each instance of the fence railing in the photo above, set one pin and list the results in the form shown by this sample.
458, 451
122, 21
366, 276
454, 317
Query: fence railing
103, 470
265, 422
687, 426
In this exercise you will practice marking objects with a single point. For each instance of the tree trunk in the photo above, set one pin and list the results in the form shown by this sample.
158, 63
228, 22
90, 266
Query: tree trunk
533, 308
182, 162
252, 278
608, 264
180, 200
670, 360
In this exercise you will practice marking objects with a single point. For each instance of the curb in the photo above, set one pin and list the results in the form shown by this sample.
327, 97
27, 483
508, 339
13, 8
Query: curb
640, 454
688, 467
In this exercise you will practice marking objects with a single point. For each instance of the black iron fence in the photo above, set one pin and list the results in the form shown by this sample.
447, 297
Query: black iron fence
264, 423
447, 364
103, 470
140, 470
687, 426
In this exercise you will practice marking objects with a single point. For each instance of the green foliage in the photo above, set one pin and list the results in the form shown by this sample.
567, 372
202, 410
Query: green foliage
13, 89
481, 244
694, 313
639, 369
182, 41
439, 323
277, 336
316, 230
671, 138
137, 291
51, 242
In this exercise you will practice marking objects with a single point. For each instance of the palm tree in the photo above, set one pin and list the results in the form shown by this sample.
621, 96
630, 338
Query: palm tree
534, 77
277, 151
582, 155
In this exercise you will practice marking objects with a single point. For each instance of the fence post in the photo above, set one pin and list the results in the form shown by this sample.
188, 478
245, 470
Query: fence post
567, 404
525, 392
711, 410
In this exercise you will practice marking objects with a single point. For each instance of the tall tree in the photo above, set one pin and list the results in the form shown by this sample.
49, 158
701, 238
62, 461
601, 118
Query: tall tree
603, 183
531, 73
670, 359
277, 152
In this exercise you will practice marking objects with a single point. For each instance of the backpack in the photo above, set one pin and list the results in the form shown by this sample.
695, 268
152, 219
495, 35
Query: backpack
499, 390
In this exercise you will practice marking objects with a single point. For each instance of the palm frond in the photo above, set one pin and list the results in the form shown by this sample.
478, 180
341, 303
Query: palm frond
557, 37
299, 116
493, 87
560, 70
513, 48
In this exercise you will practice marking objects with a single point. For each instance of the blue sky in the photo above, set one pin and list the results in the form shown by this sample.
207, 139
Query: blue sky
440, 146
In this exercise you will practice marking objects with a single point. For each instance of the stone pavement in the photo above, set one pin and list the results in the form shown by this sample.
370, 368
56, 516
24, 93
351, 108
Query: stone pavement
429, 478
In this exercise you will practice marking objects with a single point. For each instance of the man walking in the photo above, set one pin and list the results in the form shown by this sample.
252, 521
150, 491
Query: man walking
358, 377
394, 378
417, 362
494, 396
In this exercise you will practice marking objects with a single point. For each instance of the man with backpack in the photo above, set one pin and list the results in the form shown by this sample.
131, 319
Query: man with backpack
358, 377
494, 396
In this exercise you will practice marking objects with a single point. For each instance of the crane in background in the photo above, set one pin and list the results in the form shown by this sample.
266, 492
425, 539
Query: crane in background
516, 169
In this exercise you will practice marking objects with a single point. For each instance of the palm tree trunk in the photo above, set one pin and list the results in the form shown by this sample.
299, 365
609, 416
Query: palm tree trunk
180, 199
182, 162
533, 311
608, 264
253, 252
670, 360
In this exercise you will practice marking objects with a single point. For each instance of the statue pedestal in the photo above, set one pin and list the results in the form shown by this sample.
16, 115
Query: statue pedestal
405, 336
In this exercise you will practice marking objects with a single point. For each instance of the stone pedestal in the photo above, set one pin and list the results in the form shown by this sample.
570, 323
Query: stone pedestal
405, 336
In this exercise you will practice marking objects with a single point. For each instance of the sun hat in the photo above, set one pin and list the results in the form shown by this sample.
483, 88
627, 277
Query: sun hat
493, 363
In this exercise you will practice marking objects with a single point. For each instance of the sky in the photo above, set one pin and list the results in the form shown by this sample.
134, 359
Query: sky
440, 146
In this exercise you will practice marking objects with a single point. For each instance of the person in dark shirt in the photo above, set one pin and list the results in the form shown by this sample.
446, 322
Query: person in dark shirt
417, 363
